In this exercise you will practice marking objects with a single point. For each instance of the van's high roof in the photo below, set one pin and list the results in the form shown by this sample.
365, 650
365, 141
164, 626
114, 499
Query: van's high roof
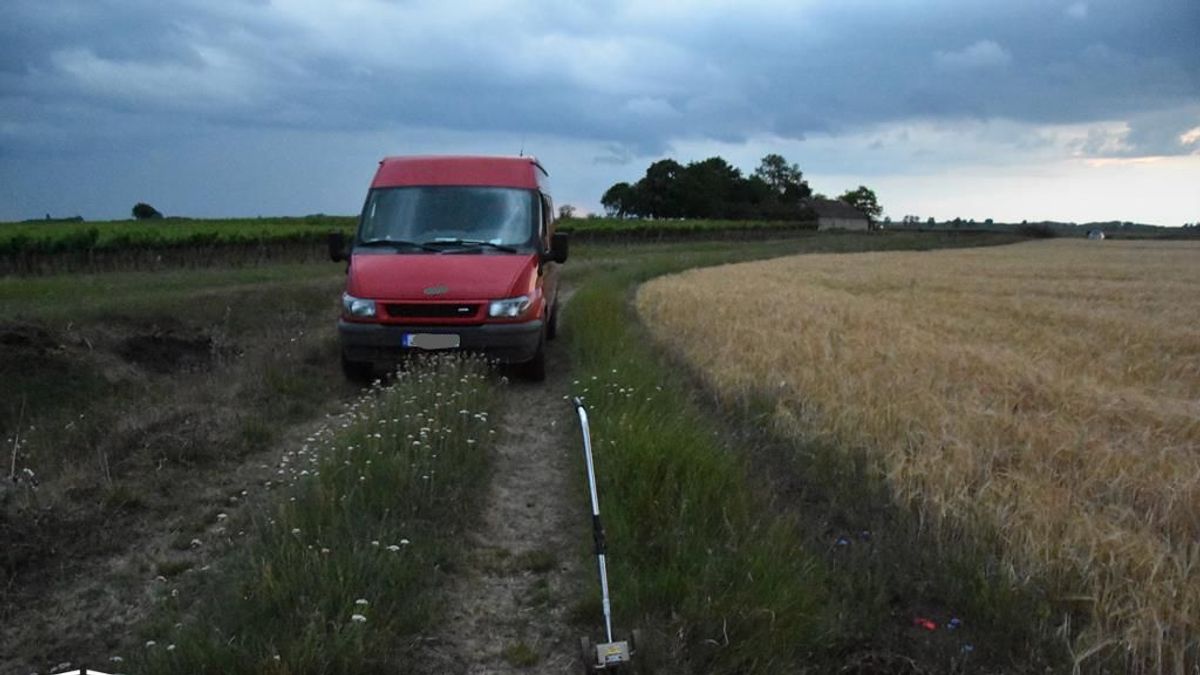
517, 172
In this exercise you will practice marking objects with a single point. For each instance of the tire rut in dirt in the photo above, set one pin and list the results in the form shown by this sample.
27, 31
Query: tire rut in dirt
508, 604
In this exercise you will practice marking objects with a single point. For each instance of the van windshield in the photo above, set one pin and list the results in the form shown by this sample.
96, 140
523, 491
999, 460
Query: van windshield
447, 218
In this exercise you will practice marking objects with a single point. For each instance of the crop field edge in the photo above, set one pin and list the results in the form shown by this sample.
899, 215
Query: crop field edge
1060, 596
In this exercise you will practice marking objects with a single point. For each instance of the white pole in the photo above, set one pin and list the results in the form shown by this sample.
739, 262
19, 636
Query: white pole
597, 528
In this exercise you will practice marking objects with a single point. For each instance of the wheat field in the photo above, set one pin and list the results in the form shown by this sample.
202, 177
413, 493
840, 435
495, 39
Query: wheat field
1045, 396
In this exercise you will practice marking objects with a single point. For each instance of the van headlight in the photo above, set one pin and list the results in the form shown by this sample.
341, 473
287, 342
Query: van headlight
358, 307
509, 307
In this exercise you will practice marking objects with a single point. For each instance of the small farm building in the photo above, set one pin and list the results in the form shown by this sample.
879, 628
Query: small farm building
837, 215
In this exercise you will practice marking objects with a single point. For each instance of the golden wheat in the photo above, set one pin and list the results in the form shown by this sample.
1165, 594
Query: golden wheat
1046, 395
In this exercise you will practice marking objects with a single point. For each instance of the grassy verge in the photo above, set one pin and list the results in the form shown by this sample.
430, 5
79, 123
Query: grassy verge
688, 541
744, 577
201, 294
341, 575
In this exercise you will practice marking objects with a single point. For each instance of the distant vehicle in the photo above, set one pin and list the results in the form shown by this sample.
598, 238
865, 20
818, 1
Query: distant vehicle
452, 253
1095, 234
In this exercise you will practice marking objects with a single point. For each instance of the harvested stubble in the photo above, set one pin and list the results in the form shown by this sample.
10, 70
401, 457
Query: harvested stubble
1043, 397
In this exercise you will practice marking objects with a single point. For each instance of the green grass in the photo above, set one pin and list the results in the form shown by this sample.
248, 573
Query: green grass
698, 550
347, 566
538, 561
521, 655
689, 543
72, 296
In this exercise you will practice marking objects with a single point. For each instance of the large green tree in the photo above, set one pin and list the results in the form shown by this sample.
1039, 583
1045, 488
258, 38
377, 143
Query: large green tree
711, 188
143, 211
786, 180
708, 189
618, 200
864, 200
659, 193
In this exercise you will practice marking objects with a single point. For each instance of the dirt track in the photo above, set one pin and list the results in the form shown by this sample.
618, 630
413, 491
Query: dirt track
508, 604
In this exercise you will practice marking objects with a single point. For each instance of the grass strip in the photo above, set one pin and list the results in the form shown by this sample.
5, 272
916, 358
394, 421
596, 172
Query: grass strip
101, 297
342, 572
691, 551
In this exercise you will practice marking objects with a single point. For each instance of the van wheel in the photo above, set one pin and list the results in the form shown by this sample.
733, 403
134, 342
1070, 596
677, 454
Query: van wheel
358, 372
534, 370
552, 325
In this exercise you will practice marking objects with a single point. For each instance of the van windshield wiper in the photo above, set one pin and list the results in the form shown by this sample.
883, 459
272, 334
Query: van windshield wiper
398, 243
470, 242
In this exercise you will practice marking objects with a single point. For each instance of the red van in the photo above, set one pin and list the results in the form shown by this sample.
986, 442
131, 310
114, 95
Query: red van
452, 253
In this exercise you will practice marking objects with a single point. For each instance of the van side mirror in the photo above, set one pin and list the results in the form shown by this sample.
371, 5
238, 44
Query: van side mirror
337, 247
559, 247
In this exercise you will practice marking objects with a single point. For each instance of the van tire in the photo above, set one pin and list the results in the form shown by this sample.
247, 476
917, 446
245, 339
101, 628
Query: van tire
552, 323
358, 372
534, 369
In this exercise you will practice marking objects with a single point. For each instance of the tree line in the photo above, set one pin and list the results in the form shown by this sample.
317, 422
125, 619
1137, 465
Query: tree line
713, 188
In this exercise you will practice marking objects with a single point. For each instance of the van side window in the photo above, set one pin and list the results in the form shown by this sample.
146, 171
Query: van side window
547, 219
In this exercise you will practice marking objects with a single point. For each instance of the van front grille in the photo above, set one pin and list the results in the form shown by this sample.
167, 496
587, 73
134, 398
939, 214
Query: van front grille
431, 310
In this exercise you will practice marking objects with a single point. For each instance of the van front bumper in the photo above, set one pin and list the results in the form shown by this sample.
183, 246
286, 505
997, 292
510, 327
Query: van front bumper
384, 343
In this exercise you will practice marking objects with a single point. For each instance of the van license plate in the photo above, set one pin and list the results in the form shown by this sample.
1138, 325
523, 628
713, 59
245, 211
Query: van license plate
432, 340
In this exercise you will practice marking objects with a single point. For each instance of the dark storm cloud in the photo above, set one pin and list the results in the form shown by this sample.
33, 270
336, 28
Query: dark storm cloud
638, 77
629, 78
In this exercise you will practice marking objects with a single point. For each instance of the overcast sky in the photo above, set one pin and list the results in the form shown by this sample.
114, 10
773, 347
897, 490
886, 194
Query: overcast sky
1014, 109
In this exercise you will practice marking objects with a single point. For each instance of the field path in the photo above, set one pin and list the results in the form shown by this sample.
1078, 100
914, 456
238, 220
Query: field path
508, 603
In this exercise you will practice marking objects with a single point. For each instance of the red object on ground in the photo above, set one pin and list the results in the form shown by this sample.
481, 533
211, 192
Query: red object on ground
922, 622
